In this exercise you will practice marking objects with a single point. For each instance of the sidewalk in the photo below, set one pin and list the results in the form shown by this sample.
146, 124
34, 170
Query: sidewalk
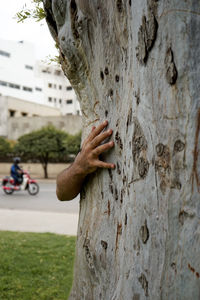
36, 221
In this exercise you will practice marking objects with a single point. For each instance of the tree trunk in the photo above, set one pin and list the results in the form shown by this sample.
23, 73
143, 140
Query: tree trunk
136, 63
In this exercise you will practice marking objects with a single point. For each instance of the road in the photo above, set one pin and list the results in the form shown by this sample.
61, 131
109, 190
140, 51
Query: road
45, 201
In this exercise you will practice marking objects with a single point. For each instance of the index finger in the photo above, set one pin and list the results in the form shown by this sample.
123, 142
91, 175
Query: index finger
96, 131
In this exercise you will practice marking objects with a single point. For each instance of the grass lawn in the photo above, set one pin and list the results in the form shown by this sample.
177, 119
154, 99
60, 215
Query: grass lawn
35, 266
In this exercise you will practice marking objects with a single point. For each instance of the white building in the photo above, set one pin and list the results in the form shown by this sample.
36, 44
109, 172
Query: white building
22, 77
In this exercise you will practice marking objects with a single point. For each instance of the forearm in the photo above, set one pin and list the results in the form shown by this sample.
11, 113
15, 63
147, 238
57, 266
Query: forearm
69, 183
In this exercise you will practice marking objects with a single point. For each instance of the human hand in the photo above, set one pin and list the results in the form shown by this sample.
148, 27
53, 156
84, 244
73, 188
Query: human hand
87, 161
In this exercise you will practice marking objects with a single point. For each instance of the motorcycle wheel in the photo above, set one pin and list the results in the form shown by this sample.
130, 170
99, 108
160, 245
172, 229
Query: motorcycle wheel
33, 188
8, 192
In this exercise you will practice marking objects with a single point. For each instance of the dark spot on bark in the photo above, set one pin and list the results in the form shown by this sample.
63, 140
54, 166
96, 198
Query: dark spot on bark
102, 75
118, 169
111, 188
118, 140
116, 194
146, 37
183, 215
88, 254
122, 196
137, 96
130, 2
110, 174
106, 71
63, 38
119, 232
144, 232
175, 184
73, 6
173, 265
144, 283
111, 92
179, 146
129, 119
171, 71
143, 167
108, 208
125, 220
119, 6
160, 149
193, 270
124, 179
117, 78
139, 142
102, 195
106, 113
104, 245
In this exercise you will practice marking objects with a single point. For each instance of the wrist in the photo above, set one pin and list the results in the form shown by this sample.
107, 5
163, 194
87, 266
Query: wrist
78, 169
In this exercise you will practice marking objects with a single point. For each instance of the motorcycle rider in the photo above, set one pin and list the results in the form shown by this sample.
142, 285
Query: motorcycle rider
16, 172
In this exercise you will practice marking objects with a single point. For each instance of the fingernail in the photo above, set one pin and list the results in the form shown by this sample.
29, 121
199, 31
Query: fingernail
105, 122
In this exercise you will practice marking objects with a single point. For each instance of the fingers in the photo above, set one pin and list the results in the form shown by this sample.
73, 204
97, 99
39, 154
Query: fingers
97, 130
100, 138
97, 151
104, 165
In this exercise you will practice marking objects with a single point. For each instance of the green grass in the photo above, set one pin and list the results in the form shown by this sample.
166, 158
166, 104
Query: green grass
35, 266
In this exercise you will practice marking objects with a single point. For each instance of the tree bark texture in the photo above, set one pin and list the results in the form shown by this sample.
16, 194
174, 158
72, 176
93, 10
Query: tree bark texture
137, 64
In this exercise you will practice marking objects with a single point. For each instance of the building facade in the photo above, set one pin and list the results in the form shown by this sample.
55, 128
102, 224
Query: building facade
24, 78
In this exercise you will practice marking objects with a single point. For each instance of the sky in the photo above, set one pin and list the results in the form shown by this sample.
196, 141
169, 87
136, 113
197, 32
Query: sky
35, 32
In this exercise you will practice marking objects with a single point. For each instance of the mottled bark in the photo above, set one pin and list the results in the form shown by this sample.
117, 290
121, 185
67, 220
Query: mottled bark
136, 63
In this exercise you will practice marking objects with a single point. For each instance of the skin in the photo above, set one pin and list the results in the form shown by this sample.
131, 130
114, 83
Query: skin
71, 180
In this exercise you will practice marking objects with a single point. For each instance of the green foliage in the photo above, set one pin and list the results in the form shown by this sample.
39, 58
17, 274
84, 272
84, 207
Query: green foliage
42, 144
37, 12
35, 266
5, 148
73, 143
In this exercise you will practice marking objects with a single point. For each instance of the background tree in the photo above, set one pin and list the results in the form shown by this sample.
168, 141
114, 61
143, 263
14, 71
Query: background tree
72, 143
5, 149
136, 63
42, 144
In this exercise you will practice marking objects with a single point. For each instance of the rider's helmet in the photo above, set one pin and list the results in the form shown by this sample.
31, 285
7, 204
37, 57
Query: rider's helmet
16, 160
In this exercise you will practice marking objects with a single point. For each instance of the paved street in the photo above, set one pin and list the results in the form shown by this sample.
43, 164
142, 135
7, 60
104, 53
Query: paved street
41, 213
44, 201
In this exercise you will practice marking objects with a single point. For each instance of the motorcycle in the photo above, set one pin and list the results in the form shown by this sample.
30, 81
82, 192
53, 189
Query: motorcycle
27, 184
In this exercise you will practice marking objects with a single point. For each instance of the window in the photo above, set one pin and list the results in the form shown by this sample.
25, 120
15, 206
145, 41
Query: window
54, 86
60, 101
38, 89
3, 83
14, 86
27, 89
55, 100
69, 101
78, 112
4, 53
9, 84
50, 85
28, 67
69, 88
24, 114
12, 113
49, 99
60, 87
57, 72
